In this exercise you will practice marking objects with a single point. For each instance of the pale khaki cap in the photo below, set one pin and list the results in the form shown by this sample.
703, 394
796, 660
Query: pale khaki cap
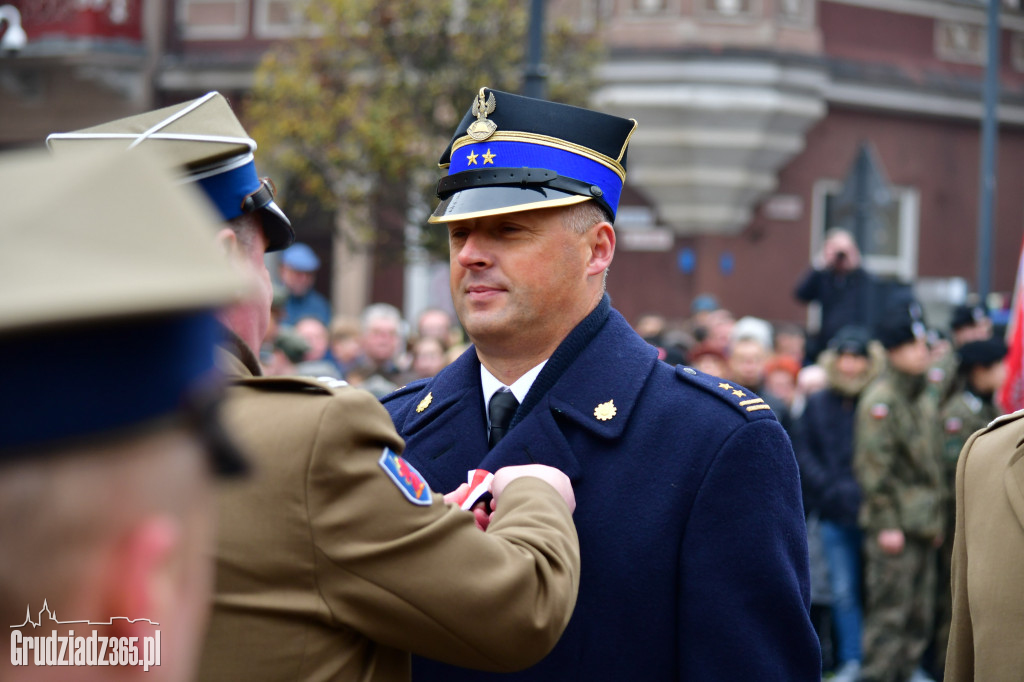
98, 236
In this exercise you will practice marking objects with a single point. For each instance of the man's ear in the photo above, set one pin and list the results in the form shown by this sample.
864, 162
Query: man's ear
228, 241
602, 248
144, 573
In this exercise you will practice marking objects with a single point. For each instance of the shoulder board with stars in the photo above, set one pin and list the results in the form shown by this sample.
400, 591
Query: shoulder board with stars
745, 402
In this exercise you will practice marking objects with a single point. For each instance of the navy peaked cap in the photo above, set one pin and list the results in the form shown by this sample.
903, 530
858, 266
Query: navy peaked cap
512, 153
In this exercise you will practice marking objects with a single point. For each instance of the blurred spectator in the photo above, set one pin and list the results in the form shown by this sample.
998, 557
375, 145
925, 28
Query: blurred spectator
299, 266
346, 349
748, 356
748, 327
428, 357
382, 339
287, 351
671, 344
791, 340
824, 450
701, 307
709, 360
897, 464
715, 330
317, 361
968, 323
438, 323
810, 379
650, 325
837, 281
780, 375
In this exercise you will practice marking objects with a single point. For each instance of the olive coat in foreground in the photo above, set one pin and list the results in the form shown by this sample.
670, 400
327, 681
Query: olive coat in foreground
330, 567
988, 556
689, 514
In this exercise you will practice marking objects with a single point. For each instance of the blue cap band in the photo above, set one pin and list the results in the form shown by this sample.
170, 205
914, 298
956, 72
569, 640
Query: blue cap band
84, 381
480, 156
229, 189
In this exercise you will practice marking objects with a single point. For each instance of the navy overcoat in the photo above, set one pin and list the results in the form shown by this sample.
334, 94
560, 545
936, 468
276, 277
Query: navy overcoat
689, 513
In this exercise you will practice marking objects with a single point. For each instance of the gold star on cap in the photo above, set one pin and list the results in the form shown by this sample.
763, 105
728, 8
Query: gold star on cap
489, 157
471, 159
425, 403
725, 387
605, 411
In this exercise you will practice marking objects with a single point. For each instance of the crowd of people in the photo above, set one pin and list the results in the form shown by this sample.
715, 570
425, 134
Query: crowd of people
374, 351
878, 419
538, 489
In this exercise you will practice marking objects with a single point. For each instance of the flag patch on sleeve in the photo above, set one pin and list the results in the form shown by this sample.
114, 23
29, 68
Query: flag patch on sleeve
879, 411
408, 480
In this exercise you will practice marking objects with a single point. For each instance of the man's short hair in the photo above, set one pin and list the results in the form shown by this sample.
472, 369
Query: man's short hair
581, 217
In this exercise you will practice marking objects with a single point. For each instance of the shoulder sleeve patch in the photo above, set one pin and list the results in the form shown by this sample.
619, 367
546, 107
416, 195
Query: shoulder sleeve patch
879, 411
746, 402
405, 476
953, 425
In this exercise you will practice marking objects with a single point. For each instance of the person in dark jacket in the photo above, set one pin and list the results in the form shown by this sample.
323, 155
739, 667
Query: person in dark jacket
840, 285
824, 449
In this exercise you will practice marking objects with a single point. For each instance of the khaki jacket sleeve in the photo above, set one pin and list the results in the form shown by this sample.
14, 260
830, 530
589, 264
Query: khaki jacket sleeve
424, 578
960, 650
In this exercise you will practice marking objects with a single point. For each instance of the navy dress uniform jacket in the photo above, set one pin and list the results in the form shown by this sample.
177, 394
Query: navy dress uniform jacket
691, 525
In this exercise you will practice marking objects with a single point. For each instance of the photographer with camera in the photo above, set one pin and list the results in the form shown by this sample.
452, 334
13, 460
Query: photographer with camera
839, 284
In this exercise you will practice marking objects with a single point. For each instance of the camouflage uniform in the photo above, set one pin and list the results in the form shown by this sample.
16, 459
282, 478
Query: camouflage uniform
897, 465
959, 417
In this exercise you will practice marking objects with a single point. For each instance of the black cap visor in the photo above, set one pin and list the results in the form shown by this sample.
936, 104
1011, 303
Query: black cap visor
476, 202
276, 227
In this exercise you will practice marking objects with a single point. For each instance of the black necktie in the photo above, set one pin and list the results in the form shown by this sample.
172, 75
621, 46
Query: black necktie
502, 407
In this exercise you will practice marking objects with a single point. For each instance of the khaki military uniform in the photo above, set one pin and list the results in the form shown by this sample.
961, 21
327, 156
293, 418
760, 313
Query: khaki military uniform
959, 417
327, 569
988, 556
897, 464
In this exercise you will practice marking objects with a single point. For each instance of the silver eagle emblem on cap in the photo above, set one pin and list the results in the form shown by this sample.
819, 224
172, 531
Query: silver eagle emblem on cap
482, 127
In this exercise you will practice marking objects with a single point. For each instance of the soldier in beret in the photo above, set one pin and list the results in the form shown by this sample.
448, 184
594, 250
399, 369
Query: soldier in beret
896, 461
690, 518
968, 406
824, 449
335, 559
107, 457
969, 322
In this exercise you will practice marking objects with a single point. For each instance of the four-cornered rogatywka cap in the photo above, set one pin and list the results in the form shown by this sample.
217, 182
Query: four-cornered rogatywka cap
205, 141
512, 153
109, 281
